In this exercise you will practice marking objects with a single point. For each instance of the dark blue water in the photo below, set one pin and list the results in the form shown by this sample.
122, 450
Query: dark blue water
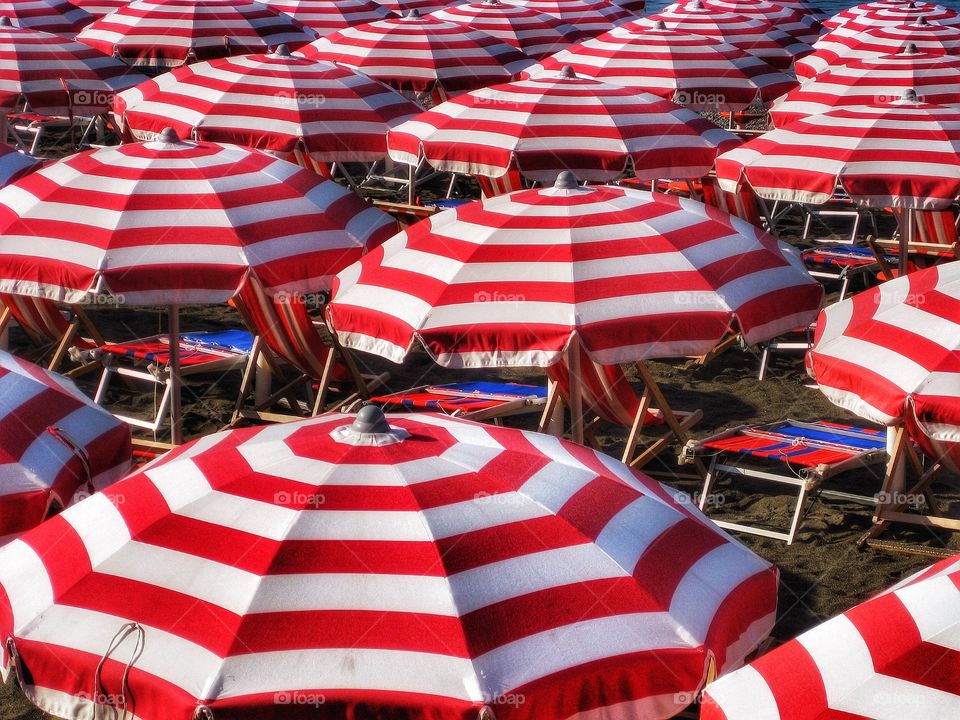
828, 6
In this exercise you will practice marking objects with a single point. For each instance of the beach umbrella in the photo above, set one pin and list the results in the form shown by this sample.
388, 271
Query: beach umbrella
407, 566
55, 76
892, 355
890, 13
874, 42
289, 106
58, 17
590, 17
517, 279
327, 16
795, 22
891, 656
402, 7
169, 33
53, 442
759, 38
535, 34
703, 74
421, 55
548, 124
172, 222
934, 78
99, 8
900, 154
15, 164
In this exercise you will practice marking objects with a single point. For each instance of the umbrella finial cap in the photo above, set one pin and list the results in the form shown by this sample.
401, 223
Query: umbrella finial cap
282, 51
5, 21
695, 5
566, 181
371, 419
168, 135
922, 21
910, 95
567, 73
494, 3
910, 49
659, 25
414, 13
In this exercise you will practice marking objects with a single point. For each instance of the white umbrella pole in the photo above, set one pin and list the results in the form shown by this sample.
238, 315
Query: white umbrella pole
173, 332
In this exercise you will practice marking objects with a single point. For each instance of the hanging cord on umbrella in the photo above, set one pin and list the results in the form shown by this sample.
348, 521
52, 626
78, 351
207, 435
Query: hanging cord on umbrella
15, 662
99, 691
79, 452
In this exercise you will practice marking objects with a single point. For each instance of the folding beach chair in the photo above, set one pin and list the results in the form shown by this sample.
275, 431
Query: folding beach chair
839, 206
48, 329
479, 401
742, 204
147, 360
597, 393
796, 454
843, 264
286, 332
934, 240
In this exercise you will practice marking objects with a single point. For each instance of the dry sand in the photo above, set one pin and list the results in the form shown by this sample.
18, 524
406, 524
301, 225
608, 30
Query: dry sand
822, 574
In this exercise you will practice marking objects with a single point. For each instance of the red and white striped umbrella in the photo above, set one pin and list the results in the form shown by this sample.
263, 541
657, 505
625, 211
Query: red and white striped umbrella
279, 103
935, 78
892, 354
53, 442
759, 38
15, 164
890, 13
549, 124
402, 7
536, 34
55, 76
590, 17
58, 17
327, 16
837, 49
421, 54
177, 222
510, 280
99, 8
796, 23
901, 154
410, 566
691, 70
168, 33
894, 656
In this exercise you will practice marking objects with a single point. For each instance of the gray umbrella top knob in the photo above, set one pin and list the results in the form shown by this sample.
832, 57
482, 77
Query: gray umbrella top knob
414, 14
910, 95
169, 135
370, 419
567, 73
566, 181
282, 51
659, 25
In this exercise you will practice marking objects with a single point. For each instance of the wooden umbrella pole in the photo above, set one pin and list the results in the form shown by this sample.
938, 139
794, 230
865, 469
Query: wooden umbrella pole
173, 332
906, 237
576, 396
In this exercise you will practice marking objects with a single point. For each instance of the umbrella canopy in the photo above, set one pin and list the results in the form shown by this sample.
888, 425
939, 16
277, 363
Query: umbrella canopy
549, 124
53, 441
56, 76
411, 566
934, 78
535, 34
421, 54
899, 154
836, 49
889, 12
99, 8
590, 17
510, 280
58, 17
276, 102
892, 656
758, 37
168, 33
327, 16
15, 164
797, 23
892, 354
691, 70
172, 222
